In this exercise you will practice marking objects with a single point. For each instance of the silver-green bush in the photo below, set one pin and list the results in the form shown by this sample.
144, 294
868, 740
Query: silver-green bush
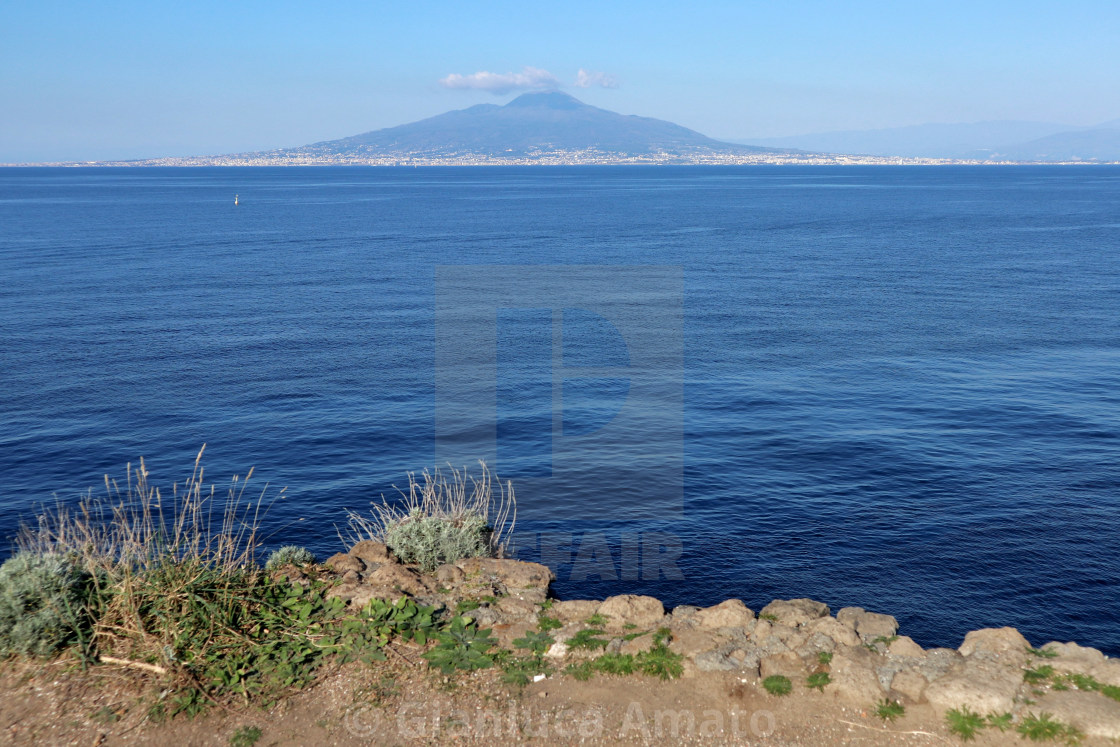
431, 541
41, 603
289, 555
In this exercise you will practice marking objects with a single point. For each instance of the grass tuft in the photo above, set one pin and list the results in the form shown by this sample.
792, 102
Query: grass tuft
440, 521
964, 723
777, 684
1044, 727
889, 710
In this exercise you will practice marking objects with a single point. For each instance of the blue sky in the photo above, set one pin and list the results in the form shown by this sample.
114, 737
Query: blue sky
81, 80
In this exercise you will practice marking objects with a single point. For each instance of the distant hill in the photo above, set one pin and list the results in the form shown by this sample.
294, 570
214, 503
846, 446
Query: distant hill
998, 140
1101, 143
531, 123
919, 141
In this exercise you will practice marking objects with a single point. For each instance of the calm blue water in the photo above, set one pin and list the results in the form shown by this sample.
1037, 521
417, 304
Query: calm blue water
900, 387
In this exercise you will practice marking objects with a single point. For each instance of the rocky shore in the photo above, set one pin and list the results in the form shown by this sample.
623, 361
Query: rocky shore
792, 673
867, 659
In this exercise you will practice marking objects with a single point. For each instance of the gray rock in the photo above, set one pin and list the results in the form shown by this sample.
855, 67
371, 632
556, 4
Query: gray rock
574, 610
1003, 645
794, 612
853, 677
449, 574
834, 629
1092, 713
984, 686
910, 683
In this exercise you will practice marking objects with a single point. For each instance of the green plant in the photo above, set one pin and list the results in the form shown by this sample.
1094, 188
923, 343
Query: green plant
1044, 727
824, 658
535, 641
616, 664
462, 645
964, 723
289, 555
1038, 674
818, 680
777, 684
596, 620
886, 640
659, 661
582, 671
546, 623
889, 710
1082, 682
466, 605
440, 520
43, 603
585, 639
246, 736
1111, 691
768, 616
1001, 721
1044, 653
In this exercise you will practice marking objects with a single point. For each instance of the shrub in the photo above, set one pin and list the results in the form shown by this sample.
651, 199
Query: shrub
964, 723
440, 521
289, 555
42, 603
889, 710
777, 684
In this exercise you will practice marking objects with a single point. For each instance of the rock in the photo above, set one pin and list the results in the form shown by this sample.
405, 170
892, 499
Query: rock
1092, 713
937, 662
341, 563
351, 577
371, 552
690, 642
637, 645
1005, 645
728, 614
506, 633
984, 686
817, 643
557, 650
396, 576
904, 646
869, 625
511, 574
1107, 672
834, 629
514, 607
715, 661
786, 663
644, 612
853, 677
762, 630
449, 574
573, 610
909, 683
1073, 652
684, 612
794, 612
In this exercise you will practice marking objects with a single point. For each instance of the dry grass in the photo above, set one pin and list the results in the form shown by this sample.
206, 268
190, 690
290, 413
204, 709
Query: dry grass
447, 499
136, 528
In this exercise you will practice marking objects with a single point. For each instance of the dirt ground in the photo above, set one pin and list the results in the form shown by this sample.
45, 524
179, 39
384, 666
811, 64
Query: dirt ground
402, 702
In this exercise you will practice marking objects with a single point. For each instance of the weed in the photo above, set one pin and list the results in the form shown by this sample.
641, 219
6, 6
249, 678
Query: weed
662, 636
1111, 691
246, 736
436, 522
770, 617
1000, 721
1042, 652
105, 715
659, 661
582, 671
535, 641
777, 684
289, 555
462, 645
596, 620
889, 710
818, 681
1043, 727
466, 605
824, 658
964, 723
43, 602
885, 640
585, 639
1083, 682
629, 626
546, 623
1038, 675
616, 664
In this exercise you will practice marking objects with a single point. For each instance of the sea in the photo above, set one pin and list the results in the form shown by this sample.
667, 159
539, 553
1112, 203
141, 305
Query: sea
889, 387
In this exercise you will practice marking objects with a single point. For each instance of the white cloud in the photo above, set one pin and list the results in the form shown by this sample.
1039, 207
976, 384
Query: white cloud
585, 79
529, 79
